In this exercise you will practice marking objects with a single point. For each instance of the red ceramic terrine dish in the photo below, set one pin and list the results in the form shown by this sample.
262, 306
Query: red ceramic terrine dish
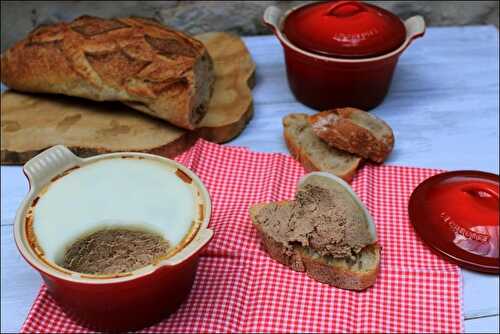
341, 53
149, 192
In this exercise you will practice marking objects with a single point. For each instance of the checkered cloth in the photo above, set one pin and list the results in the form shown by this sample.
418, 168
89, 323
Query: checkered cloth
239, 288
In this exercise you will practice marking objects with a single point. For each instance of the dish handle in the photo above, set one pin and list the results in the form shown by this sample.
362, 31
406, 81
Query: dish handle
415, 27
42, 168
272, 16
200, 240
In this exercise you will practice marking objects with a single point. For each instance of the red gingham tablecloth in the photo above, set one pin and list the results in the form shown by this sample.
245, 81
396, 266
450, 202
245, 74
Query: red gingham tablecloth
238, 288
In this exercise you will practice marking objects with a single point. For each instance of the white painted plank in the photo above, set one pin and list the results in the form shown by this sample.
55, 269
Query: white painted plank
480, 293
13, 189
483, 325
20, 284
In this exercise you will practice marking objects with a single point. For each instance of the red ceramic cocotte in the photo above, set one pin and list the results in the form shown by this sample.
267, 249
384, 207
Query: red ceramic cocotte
341, 53
114, 302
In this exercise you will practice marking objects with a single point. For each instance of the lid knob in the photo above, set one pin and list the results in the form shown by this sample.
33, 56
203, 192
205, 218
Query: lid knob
345, 8
481, 190
484, 194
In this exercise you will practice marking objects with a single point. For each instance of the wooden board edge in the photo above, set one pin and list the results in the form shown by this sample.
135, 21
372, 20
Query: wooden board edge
227, 132
170, 150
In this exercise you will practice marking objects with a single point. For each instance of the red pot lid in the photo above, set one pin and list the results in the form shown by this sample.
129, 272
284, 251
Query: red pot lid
348, 29
456, 213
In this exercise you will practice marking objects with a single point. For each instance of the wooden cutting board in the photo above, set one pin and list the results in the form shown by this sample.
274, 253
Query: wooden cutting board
32, 123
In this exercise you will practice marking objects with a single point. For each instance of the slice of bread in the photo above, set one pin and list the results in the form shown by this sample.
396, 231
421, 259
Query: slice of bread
354, 131
326, 231
344, 273
313, 153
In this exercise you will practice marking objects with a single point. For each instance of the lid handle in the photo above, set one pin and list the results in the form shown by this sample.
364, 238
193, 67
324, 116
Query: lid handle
415, 27
351, 8
272, 16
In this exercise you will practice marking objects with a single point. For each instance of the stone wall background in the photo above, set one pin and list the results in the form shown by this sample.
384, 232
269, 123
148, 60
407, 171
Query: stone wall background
241, 17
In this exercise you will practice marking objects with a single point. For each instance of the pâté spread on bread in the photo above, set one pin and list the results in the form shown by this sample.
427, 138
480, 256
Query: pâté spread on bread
319, 218
324, 231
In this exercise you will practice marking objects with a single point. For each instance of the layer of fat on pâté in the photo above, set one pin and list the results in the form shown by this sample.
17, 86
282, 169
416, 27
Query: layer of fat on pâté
110, 193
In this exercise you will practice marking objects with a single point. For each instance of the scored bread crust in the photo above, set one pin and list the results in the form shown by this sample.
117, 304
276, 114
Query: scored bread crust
306, 160
348, 129
151, 68
317, 268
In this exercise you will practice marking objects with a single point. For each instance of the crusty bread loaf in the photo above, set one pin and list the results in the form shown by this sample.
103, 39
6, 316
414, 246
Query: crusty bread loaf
354, 131
154, 69
344, 273
313, 153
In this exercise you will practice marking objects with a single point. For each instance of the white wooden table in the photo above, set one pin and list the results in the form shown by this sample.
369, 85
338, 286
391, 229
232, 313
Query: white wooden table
443, 107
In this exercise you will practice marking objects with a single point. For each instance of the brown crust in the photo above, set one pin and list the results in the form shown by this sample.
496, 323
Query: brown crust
301, 156
340, 277
156, 70
338, 129
315, 268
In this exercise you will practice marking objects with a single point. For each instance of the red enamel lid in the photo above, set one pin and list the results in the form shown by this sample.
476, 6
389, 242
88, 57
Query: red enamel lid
348, 29
456, 213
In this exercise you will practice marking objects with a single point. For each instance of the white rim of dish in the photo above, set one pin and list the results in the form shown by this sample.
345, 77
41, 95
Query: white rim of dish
347, 187
46, 160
